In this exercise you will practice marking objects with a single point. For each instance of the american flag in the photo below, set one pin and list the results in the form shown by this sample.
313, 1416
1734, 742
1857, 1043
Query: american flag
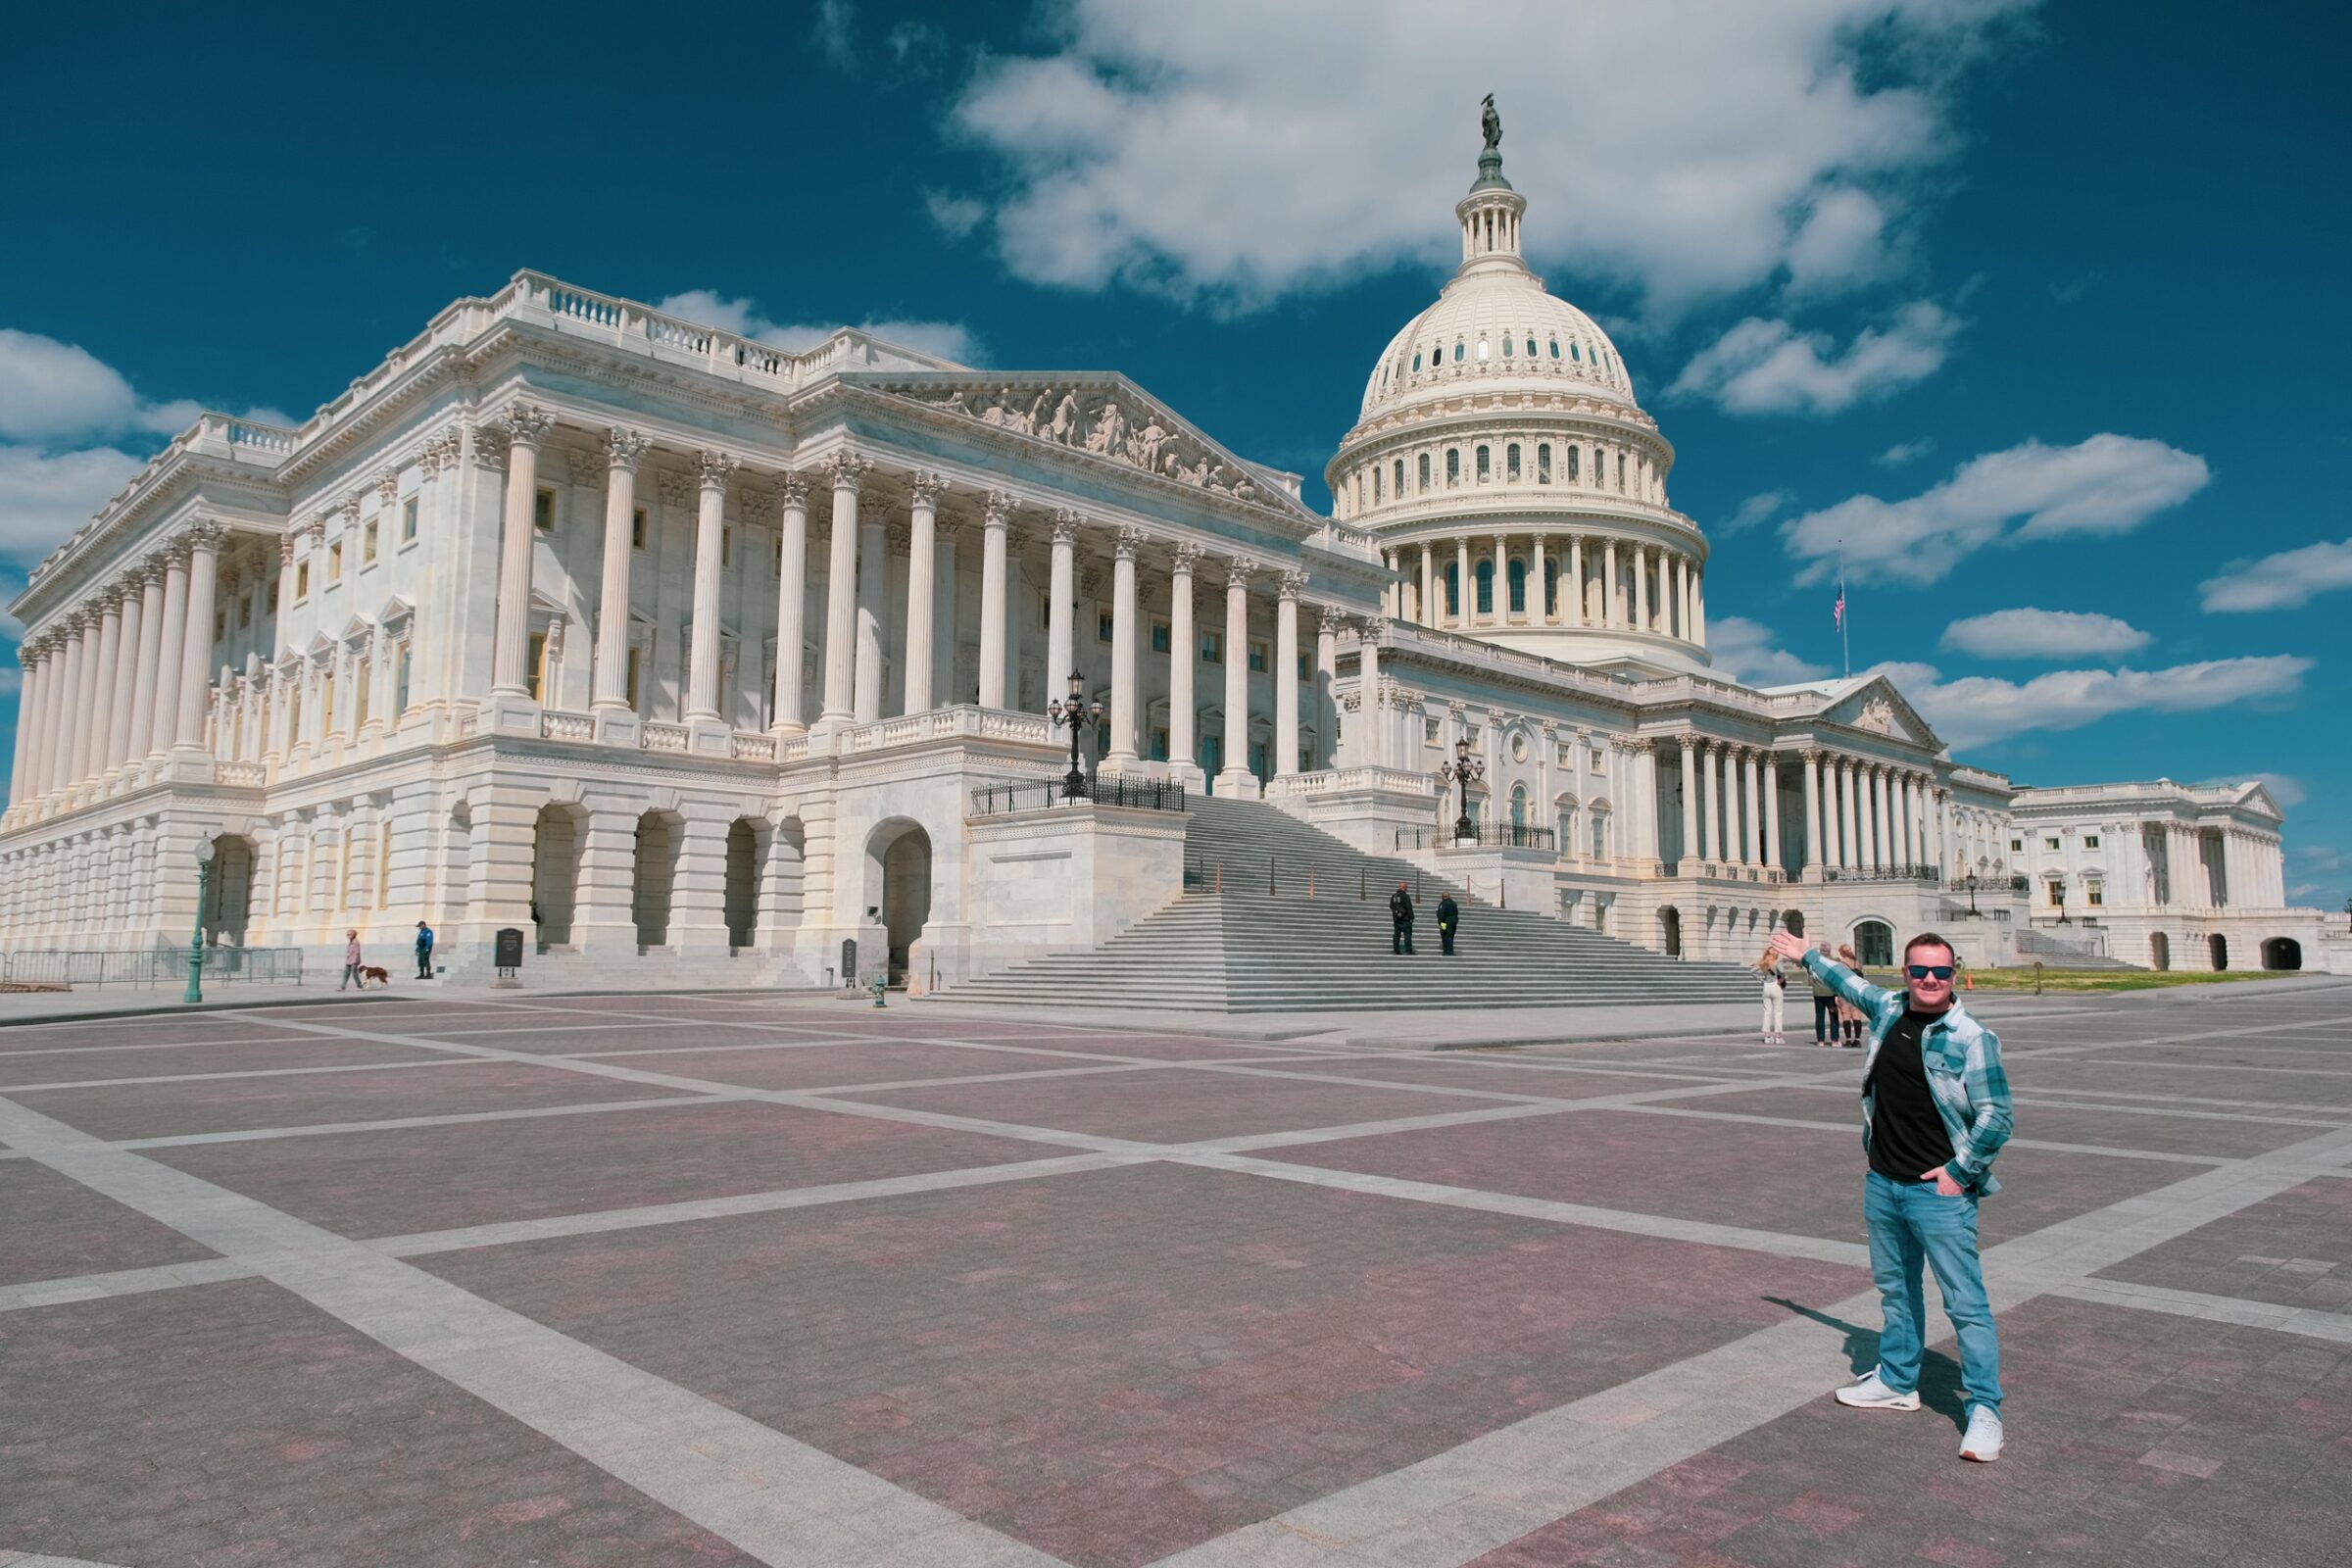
1838, 612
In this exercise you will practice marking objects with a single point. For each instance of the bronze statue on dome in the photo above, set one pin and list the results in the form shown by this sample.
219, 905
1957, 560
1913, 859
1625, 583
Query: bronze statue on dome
1491, 124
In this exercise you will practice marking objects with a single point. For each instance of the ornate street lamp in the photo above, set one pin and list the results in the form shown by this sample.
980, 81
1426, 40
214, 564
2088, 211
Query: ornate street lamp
204, 891
1463, 771
1970, 882
1077, 714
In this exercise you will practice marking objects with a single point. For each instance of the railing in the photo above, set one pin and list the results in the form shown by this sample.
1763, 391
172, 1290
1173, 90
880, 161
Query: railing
752, 745
662, 738
1486, 835
1929, 874
561, 726
1331, 781
1004, 796
239, 773
148, 966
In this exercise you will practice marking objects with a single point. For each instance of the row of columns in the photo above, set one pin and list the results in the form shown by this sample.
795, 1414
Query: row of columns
123, 677
1873, 816
856, 607
1659, 591
1730, 804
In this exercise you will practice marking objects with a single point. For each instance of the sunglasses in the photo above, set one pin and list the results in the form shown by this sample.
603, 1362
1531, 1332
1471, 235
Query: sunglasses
1930, 971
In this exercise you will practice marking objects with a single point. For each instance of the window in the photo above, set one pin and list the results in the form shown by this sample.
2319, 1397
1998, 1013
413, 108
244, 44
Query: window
1600, 761
1400, 479
359, 699
334, 561
1574, 472
1102, 623
1213, 754
2094, 894
1518, 586
1454, 465
1416, 362
1159, 744
543, 511
726, 547
637, 533
1483, 573
219, 623
538, 665
1510, 463
1506, 345
1457, 351
367, 542
2016, 846
1555, 348
1425, 470
2091, 840
1429, 731
1376, 477
326, 706
1259, 660
408, 519
1486, 466
1530, 348
400, 683
1483, 347
1213, 647
1601, 835
1453, 588
1160, 632
2049, 844
1543, 463
1306, 666
2057, 891
776, 567
1518, 806
636, 664
1621, 474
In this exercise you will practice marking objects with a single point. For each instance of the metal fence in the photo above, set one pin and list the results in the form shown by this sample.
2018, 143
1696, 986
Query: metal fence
1885, 873
149, 966
1038, 793
1488, 835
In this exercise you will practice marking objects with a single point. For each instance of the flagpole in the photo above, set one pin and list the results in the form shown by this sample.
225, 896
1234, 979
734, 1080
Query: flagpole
1845, 614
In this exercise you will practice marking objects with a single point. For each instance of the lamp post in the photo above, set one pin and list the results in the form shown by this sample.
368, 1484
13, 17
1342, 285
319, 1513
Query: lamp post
1076, 714
1970, 882
1463, 771
204, 889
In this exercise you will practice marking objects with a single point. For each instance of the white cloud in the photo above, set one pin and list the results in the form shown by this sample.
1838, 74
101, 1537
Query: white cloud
1902, 451
2109, 484
44, 498
955, 215
947, 340
1684, 148
914, 44
2284, 788
1762, 367
2286, 580
1745, 650
1978, 708
1754, 509
2043, 634
53, 392
832, 34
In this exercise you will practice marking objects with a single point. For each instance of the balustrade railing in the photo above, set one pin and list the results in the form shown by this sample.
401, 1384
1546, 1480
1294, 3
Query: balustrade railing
1929, 874
1486, 835
556, 725
748, 746
662, 738
1001, 797
148, 966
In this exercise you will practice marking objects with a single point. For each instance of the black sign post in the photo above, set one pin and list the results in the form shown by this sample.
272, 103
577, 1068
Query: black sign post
849, 962
507, 951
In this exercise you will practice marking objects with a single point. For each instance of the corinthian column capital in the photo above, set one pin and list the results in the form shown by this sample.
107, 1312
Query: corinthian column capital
923, 487
527, 424
714, 469
624, 448
847, 471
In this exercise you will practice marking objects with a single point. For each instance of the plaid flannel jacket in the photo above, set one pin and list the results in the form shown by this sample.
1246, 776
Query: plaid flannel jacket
1963, 1061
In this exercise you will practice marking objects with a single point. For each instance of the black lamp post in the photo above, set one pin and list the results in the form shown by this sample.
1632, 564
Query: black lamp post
1970, 882
1077, 714
1463, 771
204, 890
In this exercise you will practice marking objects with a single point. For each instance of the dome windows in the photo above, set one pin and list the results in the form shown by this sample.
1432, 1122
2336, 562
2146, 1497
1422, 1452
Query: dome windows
1416, 364
1486, 466
1510, 463
1454, 465
1425, 471
1574, 469
1555, 348
1506, 345
1400, 479
1543, 463
1531, 345
1458, 349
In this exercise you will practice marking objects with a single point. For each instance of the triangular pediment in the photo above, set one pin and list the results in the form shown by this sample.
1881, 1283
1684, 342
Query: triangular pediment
1103, 416
1873, 706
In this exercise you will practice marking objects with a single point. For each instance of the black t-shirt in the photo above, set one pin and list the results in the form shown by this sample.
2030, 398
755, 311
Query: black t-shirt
1906, 1132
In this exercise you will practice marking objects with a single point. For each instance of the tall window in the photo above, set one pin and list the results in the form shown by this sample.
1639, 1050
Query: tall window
334, 561
1401, 477
636, 660
408, 519
1453, 588
1454, 465
1510, 463
1601, 835
1486, 466
1425, 470
538, 665
367, 542
1376, 478
1518, 806
359, 699
1485, 587
543, 511
1518, 582
637, 530
1573, 469
400, 682
1543, 463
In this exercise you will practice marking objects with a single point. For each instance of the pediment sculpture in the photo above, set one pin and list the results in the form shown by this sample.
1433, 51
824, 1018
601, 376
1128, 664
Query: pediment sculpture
1094, 420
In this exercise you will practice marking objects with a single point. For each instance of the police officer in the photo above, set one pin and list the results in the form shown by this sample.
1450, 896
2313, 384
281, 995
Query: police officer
1449, 915
1401, 918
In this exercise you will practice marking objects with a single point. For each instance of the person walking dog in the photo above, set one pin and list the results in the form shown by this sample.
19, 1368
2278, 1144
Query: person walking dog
1400, 920
351, 962
425, 950
1450, 917
1935, 1113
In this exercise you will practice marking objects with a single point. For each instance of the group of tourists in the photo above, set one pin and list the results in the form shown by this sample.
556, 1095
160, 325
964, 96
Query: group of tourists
1835, 1020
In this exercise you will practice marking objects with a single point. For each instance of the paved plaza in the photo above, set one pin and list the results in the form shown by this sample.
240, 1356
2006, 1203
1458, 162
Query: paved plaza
738, 1278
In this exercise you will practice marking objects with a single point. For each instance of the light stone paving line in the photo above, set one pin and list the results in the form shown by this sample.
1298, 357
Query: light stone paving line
249, 1072
22, 1559
2310, 1322
2077, 1048
7, 1057
1850, 1127
119, 1282
1456, 1507
2101, 1097
780, 1500
456, 1118
2212, 1066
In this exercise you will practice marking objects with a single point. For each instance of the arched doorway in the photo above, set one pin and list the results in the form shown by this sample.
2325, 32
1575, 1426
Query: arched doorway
2160, 949
2281, 952
1874, 944
2217, 948
898, 880
744, 855
228, 903
659, 835
1795, 921
1670, 931
555, 873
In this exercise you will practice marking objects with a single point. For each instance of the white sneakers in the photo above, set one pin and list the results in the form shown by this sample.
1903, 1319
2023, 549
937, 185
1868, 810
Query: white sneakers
1872, 1394
1984, 1440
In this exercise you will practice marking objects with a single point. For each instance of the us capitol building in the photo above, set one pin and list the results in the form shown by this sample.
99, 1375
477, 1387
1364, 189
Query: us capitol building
696, 659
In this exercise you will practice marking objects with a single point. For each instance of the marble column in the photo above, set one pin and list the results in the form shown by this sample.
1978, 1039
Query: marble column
1642, 588
130, 665
195, 670
1772, 812
1813, 818
1235, 778
1751, 828
31, 780
510, 675
994, 518
1688, 862
847, 471
1538, 583
1883, 803
622, 449
1429, 606
1711, 822
1849, 818
1464, 595
1682, 600
1184, 659
1061, 599
713, 470
1576, 583
82, 674
1123, 647
1698, 605
873, 579
97, 721
792, 607
1612, 600
922, 564
1370, 714
1327, 670
1286, 673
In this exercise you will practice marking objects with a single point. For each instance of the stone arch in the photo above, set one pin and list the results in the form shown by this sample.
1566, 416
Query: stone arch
228, 899
898, 885
2217, 948
1670, 931
2281, 952
556, 834
2160, 951
659, 834
746, 852
1874, 942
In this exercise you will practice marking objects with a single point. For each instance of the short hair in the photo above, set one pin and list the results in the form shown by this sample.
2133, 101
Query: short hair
1928, 939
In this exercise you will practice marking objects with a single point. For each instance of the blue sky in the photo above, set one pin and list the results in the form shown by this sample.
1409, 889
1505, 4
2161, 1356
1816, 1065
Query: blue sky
2038, 308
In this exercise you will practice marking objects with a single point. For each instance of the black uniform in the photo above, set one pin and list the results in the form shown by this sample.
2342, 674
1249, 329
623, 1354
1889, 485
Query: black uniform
1449, 915
1401, 916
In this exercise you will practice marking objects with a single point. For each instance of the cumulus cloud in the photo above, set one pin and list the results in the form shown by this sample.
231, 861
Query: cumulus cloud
1754, 509
2043, 634
955, 215
2286, 580
1974, 709
2284, 788
44, 498
832, 34
1747, 651
2109, 484
947, 340
1762, 367
59, 392
1902, 451
1684, 148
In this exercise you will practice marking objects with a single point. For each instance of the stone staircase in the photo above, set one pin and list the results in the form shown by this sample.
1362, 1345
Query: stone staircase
2063, 952
1244, 947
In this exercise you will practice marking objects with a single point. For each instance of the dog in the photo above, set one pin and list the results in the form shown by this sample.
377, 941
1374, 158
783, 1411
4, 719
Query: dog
383, 977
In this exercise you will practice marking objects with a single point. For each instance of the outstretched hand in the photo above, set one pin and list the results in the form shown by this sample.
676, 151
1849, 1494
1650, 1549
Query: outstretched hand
1786, 945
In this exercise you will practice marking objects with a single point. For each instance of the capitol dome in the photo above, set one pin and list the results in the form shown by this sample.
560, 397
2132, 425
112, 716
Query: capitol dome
1505, 472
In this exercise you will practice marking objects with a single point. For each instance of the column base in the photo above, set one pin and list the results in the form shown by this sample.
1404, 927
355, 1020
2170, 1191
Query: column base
708, 735
1240, 784
508, 713
619, 728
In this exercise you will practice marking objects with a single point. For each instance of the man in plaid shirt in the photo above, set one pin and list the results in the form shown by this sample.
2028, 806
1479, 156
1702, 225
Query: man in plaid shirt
1934, 1112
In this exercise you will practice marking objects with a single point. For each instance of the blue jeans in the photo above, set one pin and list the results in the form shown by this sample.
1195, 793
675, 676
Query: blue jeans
1911, 1224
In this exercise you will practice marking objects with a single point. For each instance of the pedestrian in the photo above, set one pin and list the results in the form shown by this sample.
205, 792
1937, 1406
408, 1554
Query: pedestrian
1849, 1017
1826, 1028
351, 962
1776, 997
1935, 1113
1400, 921
425, 950
1449, 915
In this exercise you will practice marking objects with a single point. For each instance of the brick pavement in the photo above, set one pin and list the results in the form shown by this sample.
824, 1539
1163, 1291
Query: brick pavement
655, 1281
